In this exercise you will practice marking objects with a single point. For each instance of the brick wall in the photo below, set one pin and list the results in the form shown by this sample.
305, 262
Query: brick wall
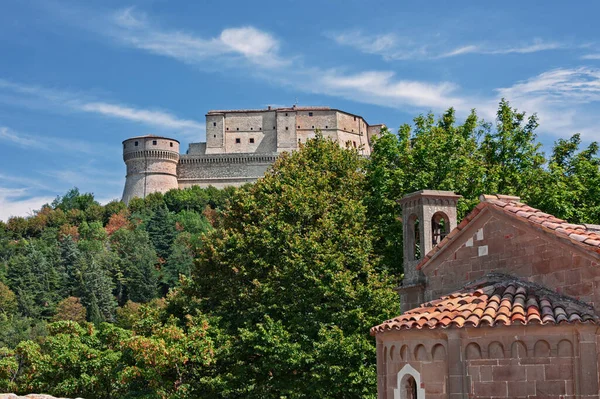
523, 362
497, 243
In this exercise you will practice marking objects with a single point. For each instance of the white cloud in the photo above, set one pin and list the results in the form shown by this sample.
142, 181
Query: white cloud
591, 57
17, 202
50, 143
393, 47
83, 103
148, 117
381, 87
564, 99
256, 46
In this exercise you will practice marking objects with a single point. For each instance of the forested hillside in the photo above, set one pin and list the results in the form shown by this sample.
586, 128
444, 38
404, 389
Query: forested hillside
266, 291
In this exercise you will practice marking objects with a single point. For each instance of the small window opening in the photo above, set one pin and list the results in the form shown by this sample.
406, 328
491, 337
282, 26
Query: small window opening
227, 128
153, 142
310, 114
214, 135
251, 128
214, 123
286, 114
286, 128
273, 127
313, 127
354, 142
237, 128
298, 127
171, 144
355, 118
326, 127
251, 140
439, 227
136, 143
238, 140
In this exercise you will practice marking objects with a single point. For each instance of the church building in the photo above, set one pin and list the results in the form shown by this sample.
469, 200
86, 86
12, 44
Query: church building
501, 305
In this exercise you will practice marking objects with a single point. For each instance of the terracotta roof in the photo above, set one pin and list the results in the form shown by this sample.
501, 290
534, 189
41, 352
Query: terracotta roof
491, 301
586, 236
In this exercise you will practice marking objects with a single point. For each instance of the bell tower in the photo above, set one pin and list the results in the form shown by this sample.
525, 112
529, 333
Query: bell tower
427, 217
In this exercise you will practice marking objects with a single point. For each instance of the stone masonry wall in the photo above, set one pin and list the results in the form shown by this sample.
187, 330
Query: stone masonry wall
495, 243
551, 362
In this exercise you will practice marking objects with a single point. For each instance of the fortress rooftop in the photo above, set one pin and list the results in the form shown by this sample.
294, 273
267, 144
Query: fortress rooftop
147, 136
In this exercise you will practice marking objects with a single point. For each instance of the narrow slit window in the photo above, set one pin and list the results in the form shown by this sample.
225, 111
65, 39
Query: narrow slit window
214, 123
136, 143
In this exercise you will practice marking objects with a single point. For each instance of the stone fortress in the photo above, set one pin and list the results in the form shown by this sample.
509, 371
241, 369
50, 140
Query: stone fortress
240, 146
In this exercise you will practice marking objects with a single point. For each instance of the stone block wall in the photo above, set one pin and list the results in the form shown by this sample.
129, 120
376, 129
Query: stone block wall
522, 362
494, 243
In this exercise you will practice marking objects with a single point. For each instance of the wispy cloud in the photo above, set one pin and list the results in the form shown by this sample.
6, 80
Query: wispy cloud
133, 28
148, 117
591, 57
49, 143
19, 202
80, 102
393, 47
565, 99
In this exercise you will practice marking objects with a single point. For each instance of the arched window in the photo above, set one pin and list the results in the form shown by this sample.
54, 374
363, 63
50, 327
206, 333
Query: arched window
440, 227
409, 384
414, 237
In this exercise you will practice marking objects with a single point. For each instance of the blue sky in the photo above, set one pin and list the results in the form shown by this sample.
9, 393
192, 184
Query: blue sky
78, 77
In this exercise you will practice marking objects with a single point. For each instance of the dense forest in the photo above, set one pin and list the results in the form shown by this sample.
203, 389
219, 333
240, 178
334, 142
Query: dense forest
264, 291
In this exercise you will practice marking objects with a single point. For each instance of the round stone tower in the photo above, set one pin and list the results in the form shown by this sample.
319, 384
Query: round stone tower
151, 165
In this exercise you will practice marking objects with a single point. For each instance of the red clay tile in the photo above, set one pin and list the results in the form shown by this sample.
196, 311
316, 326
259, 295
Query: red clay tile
497, 300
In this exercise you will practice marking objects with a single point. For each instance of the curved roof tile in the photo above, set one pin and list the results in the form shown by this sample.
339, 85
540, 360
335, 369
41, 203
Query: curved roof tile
496, 300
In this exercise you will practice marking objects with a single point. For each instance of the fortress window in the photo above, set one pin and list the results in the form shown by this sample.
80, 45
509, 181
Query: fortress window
260, 128
237, 128
298, 127
313, 127
136, 143
227, 128
326, 127
251, 128
251, 140
214, 135
355, 118
171, 144
354, 142
286, 114
238, 141
214, 123
153, 142
286, 128
273, 127
310, 114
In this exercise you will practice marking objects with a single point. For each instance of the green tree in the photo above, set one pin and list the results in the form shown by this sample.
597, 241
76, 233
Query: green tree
135, 273
291, 275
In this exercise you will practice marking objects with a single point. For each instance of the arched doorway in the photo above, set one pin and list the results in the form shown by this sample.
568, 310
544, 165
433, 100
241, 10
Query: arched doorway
409, 384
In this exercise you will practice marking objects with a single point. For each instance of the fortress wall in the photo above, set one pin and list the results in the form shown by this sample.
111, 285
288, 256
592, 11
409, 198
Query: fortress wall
215, 134
147, 143
269, 128
345, 137
243, 126
223, 170
373, 131
151, 166
319, 120
286, 131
